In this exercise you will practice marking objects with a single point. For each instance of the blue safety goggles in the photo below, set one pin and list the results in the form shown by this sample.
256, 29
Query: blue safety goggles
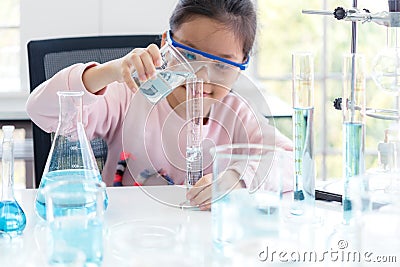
171, 41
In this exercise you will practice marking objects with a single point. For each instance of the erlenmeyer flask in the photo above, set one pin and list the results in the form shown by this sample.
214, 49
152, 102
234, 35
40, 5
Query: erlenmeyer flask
71, 156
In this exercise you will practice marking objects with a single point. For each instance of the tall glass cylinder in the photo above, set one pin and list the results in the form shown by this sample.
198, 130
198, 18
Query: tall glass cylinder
303, 110
353, 108
194, 116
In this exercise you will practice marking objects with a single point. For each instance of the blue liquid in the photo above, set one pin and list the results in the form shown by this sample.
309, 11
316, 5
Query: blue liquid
354, 149
353, 161
304, 183
12, 218
77, 233
61, 175
166, 81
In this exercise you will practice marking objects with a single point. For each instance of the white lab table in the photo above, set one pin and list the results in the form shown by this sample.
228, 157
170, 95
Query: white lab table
157, 205
192, 244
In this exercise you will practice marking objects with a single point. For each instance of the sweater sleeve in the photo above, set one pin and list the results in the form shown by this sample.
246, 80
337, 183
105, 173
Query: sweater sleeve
102, 112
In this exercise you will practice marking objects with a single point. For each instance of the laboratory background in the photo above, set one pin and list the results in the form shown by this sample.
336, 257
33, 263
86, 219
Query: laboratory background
283, 30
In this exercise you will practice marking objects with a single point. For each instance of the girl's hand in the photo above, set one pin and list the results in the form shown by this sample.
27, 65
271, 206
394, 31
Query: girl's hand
200, 194
142, 60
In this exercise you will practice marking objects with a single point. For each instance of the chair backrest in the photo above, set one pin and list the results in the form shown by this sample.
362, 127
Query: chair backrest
47, 57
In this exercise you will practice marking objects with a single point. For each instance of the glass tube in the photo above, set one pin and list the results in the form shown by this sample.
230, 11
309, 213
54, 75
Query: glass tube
303, 109
353, 108
194, 116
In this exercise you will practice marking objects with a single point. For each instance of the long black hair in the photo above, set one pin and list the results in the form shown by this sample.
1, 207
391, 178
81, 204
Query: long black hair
237, 15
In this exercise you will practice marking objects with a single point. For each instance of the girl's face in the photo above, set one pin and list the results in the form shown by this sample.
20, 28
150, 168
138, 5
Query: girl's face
211, 37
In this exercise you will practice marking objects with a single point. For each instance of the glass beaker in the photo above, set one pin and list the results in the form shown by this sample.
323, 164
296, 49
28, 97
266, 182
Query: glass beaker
172, 73
75, 215
71, 156
12, 217
246, 194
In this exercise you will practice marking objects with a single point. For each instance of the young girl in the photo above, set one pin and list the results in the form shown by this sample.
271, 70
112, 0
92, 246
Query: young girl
218, 34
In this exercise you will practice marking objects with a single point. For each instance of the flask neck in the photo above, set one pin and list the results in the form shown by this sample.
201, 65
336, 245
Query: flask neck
7, 169
70, 108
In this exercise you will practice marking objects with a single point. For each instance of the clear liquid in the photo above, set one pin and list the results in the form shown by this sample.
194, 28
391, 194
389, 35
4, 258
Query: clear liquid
304, 184
194, 164
166, 81
239, 216
353, 161
12, 218
78, 233
61, 175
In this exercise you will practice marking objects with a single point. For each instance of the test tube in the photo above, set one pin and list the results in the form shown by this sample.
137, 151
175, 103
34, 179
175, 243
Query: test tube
353, 110
303, 112
194, 117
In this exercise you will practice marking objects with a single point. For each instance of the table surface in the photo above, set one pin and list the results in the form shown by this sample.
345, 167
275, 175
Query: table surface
156, 205
159, 206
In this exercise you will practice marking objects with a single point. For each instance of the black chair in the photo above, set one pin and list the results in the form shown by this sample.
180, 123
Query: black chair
47, 57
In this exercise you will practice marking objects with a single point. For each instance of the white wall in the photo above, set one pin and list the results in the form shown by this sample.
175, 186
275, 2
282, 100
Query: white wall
41, 19
52, 18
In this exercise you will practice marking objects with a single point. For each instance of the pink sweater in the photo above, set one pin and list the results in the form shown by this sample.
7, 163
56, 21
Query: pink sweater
155, 135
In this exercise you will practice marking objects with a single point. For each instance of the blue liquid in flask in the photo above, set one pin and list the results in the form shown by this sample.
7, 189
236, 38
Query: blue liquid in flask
12, 217
65, 175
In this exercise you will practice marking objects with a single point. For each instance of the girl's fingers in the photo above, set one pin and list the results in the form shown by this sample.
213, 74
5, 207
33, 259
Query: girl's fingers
206, 206
138, 65
155, 54
131, 84
148, 64
203, 197
200, 193
127, 78
145, 61
199, 186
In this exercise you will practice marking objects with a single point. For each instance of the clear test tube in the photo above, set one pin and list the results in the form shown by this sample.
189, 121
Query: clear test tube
303, 113
353, 110
194, 118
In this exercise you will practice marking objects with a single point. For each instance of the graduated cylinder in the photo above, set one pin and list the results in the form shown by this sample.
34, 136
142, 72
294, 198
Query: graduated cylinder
353, 110
303, 109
